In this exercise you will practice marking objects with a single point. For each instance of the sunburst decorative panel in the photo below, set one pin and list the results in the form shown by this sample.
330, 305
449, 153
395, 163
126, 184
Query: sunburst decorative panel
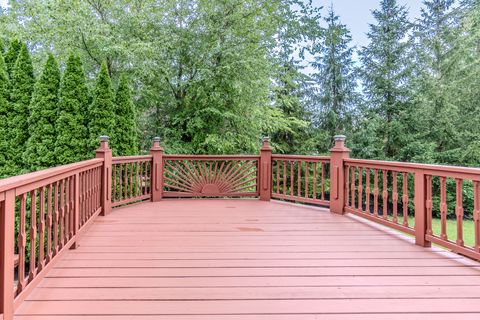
210, 177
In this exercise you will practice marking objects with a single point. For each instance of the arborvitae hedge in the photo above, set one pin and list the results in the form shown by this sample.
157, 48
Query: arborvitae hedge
125, 136
11, 55
101, 117
70, 127
40, 150
4, 95
22, 87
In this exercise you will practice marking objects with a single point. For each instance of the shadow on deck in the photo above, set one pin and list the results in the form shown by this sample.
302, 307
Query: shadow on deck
250, 259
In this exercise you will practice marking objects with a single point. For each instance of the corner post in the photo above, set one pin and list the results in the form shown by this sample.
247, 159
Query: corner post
265, 170
7, 229
105, 153
420, 201
157, 170
337, 174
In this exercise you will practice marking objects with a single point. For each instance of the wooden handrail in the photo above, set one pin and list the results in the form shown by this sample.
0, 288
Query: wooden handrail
25, 179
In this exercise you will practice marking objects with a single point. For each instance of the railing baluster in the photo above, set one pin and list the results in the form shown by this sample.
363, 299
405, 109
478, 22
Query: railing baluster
278, 175
375, 192
459, 211
306, 178
62, 213
429, 204
49, 223
360, 188
33, 234
67, 209
284, 177
22, 243
394, 197
367, 190
405, 199
314, 180
125, 182
41, 231
131, 180
385, 194
347, 185
299, 178
443, 208
57, 218
476, 214
352, 187
291, 178
323, 180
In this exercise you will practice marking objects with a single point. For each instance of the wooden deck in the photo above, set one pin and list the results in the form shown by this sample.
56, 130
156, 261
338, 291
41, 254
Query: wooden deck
248, 259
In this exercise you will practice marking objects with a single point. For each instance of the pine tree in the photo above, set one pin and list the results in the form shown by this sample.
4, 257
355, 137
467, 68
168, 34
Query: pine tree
40, 148
435, 36
11, 55
70, 127
335, 76
22, 84
4, 109
101, 116
386, 71
125, 131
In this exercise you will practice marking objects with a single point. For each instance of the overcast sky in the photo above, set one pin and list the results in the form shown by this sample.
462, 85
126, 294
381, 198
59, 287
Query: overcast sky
356, 14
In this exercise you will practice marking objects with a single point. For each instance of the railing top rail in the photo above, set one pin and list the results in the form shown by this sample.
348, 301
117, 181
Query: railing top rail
300, 157
131, 158
434, 169
25, 179
209, 157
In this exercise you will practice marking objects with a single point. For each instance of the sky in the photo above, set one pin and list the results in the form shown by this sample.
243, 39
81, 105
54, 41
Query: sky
356, 14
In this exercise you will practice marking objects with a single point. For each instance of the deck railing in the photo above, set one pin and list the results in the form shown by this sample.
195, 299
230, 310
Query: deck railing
44, 213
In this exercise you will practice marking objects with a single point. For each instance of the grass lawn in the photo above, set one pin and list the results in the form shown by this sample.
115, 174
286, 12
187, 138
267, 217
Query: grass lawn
468, 230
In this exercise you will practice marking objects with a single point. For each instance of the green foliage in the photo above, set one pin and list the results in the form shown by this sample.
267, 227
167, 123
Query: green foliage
21, 94
11, 55
4, 111
336, 78
40, 148
101, 116
124, 140
386, 71
71, 143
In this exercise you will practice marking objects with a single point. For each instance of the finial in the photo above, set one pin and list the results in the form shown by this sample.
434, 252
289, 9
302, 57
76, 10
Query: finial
156, 144
103, 142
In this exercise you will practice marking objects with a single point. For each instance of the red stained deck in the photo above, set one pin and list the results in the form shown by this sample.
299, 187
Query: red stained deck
250, 259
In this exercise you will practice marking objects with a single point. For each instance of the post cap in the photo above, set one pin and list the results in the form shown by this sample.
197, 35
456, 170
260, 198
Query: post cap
266, 143
156, 144
103, 144
339, 144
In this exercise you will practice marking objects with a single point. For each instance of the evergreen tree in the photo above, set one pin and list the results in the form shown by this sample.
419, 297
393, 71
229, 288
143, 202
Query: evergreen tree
22, 84
70, 127
125, 130
40, 149
101, 116
11, 55
335, 75
435, 34
4, 109
386, 76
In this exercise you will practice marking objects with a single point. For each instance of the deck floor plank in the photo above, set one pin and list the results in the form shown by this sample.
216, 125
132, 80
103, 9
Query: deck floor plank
245, 260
